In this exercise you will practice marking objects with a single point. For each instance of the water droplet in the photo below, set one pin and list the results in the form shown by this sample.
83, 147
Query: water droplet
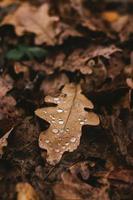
47, 141
67, 130
63, 147
52, 117
56, 99
73, 139
60, 110
55, 130
53, 121
57, 150
82, 122
45, 112
61, 121
67, 143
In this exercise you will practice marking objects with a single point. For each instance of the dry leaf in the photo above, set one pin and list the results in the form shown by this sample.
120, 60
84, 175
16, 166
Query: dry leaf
72, 187
123, 26
52, 84
110, 16
28, 18
3, 141
5, 3
26, 192
66, 120
80, 59
6, 84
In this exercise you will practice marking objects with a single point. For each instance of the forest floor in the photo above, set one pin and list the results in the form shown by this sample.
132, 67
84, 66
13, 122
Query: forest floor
66, 100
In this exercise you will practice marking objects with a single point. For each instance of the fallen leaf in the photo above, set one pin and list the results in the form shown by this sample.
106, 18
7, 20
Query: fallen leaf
3, 141
26, 192
66, 120
110, 16
123, 26
117, 174
28, 18
6, 84
73, 187
53, 84
5, 3
81, 59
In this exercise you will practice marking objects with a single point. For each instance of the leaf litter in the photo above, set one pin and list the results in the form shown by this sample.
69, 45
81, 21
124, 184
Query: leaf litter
46, 48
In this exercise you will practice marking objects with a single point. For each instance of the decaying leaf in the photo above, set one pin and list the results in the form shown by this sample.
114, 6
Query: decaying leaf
4, 3
6, 84
75, 188
26, 192
53, 84
110, 16
66, 120
3, 141
28, 18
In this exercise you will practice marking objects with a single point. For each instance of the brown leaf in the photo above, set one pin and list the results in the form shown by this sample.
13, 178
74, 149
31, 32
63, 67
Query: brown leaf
3, 141
6, 84
28, 18
81, 59
66, 120
74, 188
53, 84
123, 26
110, 16
5, 3
26, 192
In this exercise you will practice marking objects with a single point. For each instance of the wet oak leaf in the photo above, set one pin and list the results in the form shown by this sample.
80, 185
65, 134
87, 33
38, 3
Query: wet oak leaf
26, 192
66, 121
28, 18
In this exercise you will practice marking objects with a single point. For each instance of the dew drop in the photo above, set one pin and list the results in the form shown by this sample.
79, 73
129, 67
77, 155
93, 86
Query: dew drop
56, 99
73, 139
62, 131
57, 150
55, 130
61, 121
53, 121
66, 143
47, 141
63, 147
45, 112
60, 110
82, 122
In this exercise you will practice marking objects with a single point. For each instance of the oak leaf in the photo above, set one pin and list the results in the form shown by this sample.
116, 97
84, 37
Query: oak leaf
28, 18
26, 192
66, 120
